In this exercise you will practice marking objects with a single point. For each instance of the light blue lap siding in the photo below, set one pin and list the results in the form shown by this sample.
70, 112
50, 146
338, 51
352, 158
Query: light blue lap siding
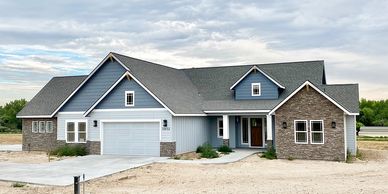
116, 98
269, 90
95, 87
351, 134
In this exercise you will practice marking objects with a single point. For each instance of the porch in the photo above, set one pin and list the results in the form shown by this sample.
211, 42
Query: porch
242, 131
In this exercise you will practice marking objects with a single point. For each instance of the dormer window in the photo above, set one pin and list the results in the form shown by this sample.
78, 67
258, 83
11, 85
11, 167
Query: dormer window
129, 98
256, 89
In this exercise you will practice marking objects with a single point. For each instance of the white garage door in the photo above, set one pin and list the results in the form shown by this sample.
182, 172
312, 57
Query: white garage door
132, 138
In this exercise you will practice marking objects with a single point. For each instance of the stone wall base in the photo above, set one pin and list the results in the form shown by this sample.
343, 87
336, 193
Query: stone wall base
167, 149
93, 147
225, 142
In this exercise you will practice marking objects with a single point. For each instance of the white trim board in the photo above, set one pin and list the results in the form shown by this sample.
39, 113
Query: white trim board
236, 111
316, 89
32, 117
262, 72
129, 110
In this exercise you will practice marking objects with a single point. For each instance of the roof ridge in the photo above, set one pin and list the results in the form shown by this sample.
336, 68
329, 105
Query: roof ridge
341, 84
144, 60
69, 76
256, 64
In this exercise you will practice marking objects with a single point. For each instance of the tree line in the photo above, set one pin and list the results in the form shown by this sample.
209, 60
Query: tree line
8, 121
373, 113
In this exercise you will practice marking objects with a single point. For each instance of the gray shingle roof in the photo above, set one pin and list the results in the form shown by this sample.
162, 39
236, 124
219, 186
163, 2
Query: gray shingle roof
192, 91
51, 96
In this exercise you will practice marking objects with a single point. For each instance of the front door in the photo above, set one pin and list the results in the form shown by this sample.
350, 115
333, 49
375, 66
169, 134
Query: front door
256, 132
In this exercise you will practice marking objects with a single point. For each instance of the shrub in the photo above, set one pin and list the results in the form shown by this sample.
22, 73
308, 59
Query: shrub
359, 155
17, 184
199, 149
290, 158
349, 157
203, 147
209, 153
270, 153
70, 150
224, 149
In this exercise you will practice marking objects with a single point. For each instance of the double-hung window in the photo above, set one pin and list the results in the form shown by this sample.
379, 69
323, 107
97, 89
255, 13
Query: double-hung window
49, 127
256, 89
220, 128
130, 98
244, 131
316, 132
35, 126
42, 126
76, 131
300, 127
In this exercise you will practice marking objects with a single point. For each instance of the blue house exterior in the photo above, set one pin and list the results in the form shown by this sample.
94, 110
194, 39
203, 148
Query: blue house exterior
128, 106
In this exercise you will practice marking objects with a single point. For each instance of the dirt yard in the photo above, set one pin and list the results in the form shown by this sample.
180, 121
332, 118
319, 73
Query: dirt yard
10, 138
32, 157
251, 175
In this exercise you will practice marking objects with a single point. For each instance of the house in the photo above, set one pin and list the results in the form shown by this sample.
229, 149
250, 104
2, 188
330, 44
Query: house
127, 106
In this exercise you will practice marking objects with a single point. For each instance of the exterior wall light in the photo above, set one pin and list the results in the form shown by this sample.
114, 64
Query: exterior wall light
165, 123
333, 124
95, 123
284, 125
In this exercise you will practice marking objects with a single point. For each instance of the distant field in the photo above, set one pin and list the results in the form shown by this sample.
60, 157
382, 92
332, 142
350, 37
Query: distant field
372, 138
10, 138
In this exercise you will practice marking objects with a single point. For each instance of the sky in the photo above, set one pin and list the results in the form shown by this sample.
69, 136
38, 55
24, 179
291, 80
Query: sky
42, 39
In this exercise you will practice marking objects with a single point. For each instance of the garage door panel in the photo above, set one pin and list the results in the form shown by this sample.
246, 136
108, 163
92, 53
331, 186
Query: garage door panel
131, 139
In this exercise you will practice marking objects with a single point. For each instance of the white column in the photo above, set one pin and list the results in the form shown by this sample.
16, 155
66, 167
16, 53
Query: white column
225, 122
269, 127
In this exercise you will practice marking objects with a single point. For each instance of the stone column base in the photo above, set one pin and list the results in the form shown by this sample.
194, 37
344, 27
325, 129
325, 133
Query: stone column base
225, 142
269, 143
167, 149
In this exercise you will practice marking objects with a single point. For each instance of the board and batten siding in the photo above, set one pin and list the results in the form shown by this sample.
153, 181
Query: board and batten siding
269, 90
95, 87
94, 132
217, 142
190, 132
351, 133
116, 98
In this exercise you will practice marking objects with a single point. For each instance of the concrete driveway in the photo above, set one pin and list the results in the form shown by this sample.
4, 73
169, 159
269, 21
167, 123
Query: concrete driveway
61, 173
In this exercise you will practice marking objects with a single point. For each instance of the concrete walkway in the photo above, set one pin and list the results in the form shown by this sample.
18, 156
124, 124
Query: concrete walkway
10, 147
236, 155
61, 173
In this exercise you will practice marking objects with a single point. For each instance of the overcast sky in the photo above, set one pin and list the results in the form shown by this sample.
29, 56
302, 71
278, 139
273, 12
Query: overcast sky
42, 39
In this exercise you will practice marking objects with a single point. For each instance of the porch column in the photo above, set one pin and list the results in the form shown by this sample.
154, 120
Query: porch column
269, 127
225, 124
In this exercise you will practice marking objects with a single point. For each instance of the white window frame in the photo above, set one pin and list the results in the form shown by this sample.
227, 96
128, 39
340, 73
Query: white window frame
218, 128
76, 130
52, 127
43, 130
242, 142
32, 127
307, 131
126, 98
311, 131
253, 85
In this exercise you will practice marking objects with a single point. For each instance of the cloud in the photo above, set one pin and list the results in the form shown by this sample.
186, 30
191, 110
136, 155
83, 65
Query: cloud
47, 38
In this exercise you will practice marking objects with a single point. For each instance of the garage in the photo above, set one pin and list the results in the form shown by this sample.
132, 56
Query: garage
131, 138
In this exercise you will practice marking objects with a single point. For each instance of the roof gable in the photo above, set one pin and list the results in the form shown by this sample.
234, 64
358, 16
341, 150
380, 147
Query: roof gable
255, 68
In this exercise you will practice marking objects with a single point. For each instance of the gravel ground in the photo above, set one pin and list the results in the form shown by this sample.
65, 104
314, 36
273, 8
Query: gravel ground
251, 175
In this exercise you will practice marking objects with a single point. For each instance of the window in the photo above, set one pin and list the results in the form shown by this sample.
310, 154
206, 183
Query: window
76, 131
49, 127
256, 89
316, 130
300, 127
244, 131
42, 126
220, 128
129, 98
35, 126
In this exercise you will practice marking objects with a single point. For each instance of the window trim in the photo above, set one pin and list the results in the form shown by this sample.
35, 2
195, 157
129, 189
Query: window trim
32, 127
44, 128
126, 98
255, 84
218, 128
323, 132
52, 127
76, 130
242, 142
307, 132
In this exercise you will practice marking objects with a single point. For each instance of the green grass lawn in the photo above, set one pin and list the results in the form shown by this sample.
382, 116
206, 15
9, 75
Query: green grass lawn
370, 138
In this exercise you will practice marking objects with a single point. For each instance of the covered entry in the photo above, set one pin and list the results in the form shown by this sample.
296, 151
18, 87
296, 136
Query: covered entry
252, 131
137, 138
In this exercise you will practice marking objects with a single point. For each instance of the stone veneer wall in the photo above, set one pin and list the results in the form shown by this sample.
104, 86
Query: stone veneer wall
38, 141
308, 104
167, 149
48, 141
